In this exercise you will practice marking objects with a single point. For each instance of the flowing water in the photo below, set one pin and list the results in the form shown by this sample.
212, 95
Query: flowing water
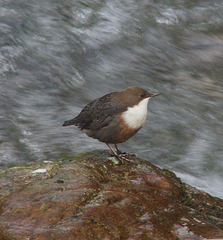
56, 56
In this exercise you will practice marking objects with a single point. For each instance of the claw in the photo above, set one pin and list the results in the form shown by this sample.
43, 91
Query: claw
120, 155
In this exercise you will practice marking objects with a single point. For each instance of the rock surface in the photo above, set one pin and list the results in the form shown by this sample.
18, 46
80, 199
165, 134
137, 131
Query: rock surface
90, 196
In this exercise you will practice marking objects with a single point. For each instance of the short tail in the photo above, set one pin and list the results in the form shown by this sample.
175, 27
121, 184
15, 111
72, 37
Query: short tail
70, 122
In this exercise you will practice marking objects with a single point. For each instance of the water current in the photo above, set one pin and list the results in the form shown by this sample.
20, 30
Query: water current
56, 56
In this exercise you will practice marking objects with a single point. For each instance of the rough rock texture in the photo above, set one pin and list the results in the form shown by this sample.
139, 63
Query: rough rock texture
90, 196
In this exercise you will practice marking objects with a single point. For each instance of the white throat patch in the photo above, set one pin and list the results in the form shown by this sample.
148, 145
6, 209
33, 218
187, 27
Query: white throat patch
135, 116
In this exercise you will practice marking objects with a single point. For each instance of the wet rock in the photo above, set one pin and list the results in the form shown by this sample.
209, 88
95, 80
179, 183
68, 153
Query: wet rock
90, 196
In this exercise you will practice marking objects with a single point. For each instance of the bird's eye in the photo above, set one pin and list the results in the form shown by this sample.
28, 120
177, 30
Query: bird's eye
142, 95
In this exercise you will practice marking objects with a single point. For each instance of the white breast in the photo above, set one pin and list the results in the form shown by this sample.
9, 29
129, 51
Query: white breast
135, 116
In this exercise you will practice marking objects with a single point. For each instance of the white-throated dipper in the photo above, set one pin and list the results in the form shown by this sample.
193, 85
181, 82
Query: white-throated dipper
115, 117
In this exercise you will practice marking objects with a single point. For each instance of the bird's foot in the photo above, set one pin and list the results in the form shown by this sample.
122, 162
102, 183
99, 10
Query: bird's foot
126, 156
119, 152
122, 157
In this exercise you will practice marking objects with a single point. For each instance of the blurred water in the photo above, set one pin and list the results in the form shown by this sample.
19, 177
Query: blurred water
56, 56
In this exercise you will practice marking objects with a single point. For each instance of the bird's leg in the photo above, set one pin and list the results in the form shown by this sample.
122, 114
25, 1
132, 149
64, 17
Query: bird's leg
112, 150
118, 150
120, 153
120, 158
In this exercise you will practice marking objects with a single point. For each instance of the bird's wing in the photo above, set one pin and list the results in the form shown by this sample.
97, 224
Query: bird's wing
99, 113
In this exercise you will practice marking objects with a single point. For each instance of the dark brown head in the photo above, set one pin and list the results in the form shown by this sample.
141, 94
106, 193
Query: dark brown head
131, 96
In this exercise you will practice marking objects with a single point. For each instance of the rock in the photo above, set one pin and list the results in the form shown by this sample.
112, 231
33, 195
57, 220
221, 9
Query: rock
90, 196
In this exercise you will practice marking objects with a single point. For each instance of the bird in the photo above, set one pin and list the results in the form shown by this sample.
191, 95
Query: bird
114, 117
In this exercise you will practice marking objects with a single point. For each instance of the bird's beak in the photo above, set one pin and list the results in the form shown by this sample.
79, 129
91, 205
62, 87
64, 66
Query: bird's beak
155, 94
